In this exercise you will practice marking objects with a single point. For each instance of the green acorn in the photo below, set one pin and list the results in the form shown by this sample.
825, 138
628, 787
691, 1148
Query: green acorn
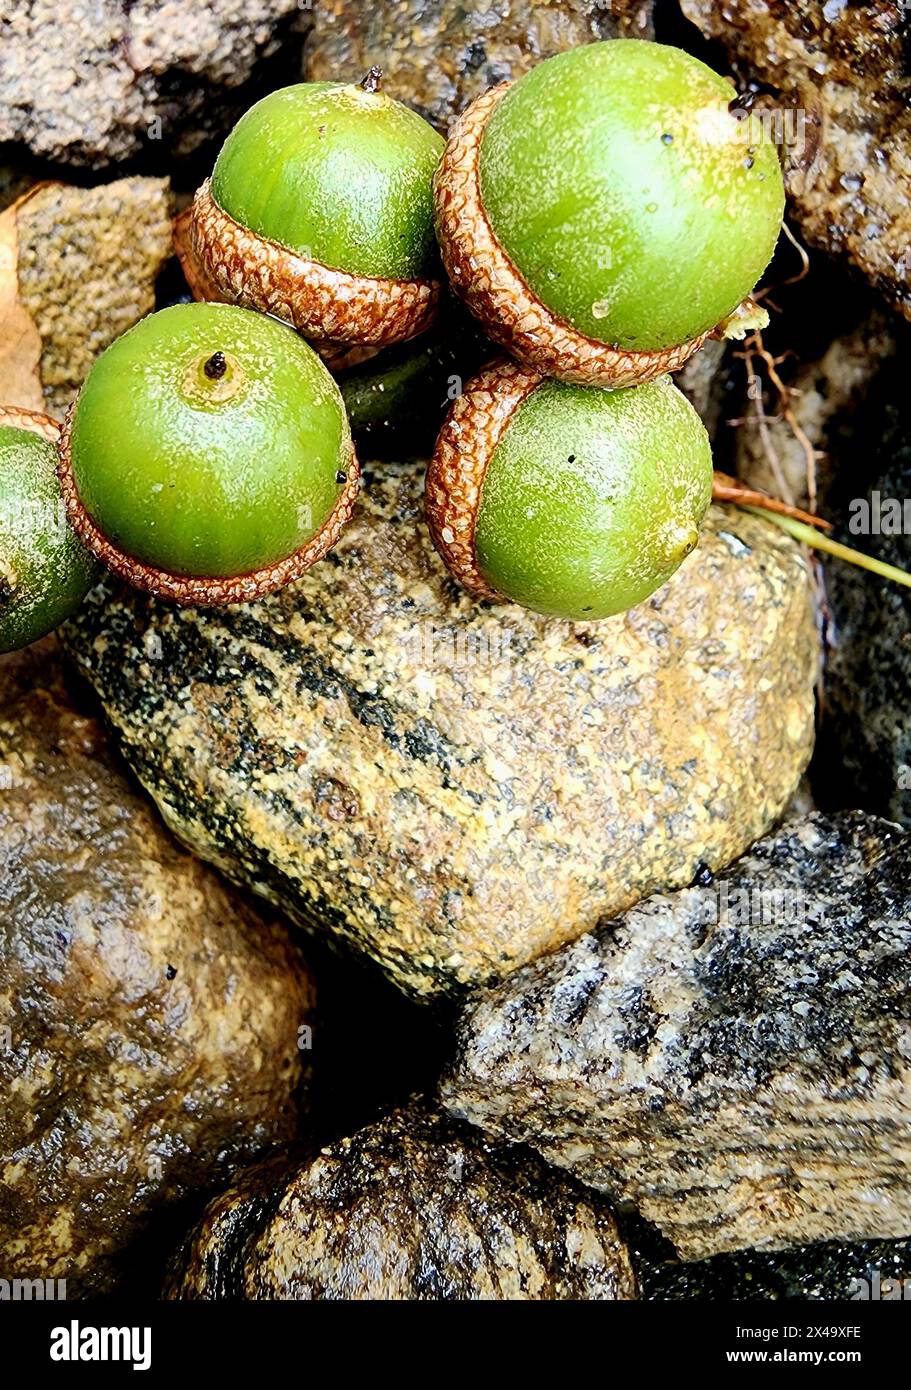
44, 571
607, 211
320, 211
207, 457
572, 501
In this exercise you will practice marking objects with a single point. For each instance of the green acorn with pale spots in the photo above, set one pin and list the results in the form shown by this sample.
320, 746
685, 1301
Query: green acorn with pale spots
607, 211
320, 211
44, 571
207, 457
572, 501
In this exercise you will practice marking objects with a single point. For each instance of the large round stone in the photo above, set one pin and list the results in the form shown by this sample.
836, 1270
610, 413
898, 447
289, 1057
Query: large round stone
150, 1021
454, 788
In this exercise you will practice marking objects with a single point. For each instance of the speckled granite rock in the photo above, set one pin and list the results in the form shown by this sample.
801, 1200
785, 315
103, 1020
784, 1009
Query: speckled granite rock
412, 1207
733, 1059
438, 55
867, 724
98, 80
77, 269
451, 788
845, 67
148, 1019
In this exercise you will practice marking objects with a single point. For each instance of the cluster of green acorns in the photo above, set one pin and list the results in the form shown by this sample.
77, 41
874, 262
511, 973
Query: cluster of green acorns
600, 217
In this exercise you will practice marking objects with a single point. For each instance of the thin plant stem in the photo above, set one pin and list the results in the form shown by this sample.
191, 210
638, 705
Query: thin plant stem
820, 541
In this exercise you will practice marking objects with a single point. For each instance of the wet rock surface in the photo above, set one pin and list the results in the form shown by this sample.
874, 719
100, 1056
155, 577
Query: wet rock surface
148, 1018
841, 72
450, 788
438, 55
732, 1059
412, 1207
829, 1270
79, 268
865, 755
98, 80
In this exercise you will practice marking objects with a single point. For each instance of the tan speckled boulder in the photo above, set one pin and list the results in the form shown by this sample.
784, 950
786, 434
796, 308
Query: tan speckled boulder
454, 788
149, 1019
412, 1207
77, 268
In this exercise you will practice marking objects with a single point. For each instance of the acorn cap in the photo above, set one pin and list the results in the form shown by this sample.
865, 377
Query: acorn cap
17, 417
476, 422
484, 276
192, 591
338, 357
252, 271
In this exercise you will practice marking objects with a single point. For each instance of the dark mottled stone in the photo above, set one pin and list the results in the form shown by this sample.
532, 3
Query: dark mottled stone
149, 1019
412, 1207
828, 1271
438, 55
733, 1059
866, 752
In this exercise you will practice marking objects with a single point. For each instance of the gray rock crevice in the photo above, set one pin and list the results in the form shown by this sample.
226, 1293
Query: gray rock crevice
95, 81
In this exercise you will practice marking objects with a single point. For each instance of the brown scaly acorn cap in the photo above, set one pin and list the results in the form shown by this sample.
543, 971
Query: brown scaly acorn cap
319, 302
474, 426
22, 419
338, 357
484, 276
191, 590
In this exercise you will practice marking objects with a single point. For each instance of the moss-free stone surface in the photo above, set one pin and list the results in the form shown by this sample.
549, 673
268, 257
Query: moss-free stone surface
99, 80
149, 1019
452, 788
